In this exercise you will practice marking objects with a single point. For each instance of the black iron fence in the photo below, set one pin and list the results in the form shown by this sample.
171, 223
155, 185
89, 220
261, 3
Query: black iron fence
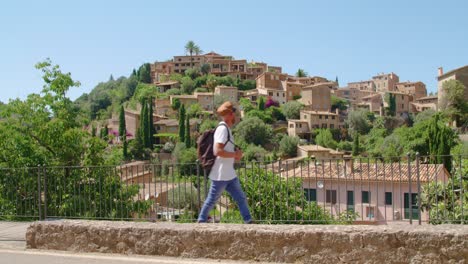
409, 189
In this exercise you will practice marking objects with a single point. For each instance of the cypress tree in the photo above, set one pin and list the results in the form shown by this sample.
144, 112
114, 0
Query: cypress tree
356, 145
261, 103
101, 133
123, 131
141, 129
145, 126
182, 123
152, 131
187, 133
441, 139
93, 131
106, 133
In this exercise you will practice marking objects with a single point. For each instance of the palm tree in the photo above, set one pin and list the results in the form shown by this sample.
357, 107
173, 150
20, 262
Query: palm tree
301, 73
192, 48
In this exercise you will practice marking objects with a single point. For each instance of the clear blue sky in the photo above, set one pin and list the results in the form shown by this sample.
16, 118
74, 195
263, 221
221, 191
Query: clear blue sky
350, 39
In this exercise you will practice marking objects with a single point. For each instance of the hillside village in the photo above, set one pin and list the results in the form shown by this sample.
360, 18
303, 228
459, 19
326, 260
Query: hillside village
200, 82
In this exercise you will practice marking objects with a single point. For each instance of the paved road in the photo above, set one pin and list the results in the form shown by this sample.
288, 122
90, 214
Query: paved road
53, 257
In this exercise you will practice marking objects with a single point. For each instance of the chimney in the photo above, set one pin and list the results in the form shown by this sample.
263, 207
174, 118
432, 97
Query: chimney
441, 71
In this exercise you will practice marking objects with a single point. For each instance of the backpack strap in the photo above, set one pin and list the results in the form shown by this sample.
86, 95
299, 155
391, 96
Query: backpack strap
229, 134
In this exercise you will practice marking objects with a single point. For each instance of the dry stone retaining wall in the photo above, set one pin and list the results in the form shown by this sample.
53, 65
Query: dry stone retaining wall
275, 243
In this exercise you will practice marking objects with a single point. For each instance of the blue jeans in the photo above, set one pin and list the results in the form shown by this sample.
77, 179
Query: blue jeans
234, 188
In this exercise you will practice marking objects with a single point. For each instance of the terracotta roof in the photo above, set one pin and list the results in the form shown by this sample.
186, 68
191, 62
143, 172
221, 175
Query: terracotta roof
428, 97
452, 72
395, 92
337, 170
318, 85
203, 93
318, 148
167, 83
185, 96
371, 96
225, 87
212, 53
317, 112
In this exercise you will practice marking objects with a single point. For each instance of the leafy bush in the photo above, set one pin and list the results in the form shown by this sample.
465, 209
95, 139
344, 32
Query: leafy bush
288, 146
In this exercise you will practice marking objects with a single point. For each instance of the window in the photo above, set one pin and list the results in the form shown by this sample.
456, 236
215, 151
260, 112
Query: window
305, 117
320, 117
310, 195
291, 126
332, 126
326, 117
350, 201
270, 93
277, 94
324, 125
402, 106
333, 117
300, 125
331, 196
283, 94
365, 196
177, 64
388, 198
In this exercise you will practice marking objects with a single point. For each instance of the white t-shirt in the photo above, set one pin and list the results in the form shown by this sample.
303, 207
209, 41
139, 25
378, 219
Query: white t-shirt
223, 168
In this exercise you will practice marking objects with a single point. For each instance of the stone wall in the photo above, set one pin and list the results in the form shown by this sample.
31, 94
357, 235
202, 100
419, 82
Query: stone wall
275, 243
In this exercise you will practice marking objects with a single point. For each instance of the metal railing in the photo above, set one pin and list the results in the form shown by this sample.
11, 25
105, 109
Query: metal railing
411, 189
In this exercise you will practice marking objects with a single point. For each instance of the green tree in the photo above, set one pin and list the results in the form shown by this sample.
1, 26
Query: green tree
207, 124
187, 85
252, 130
263, 115
391, 101
261, 103
123, 131
253, 152
146, 125
359, 121
205, 69
151, 129
93, 130
176, 104
424, 115
106, 133
338, 103
44, 129
192, 48
301, 73
288, 146
245, 85
182, 123
144, 73
187, 133
453, 102
324, 138
441, 140
194, 110
246, 104
271, 197
292, 109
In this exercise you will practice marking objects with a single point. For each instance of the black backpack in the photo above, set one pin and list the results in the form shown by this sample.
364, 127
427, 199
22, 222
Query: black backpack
205, 148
